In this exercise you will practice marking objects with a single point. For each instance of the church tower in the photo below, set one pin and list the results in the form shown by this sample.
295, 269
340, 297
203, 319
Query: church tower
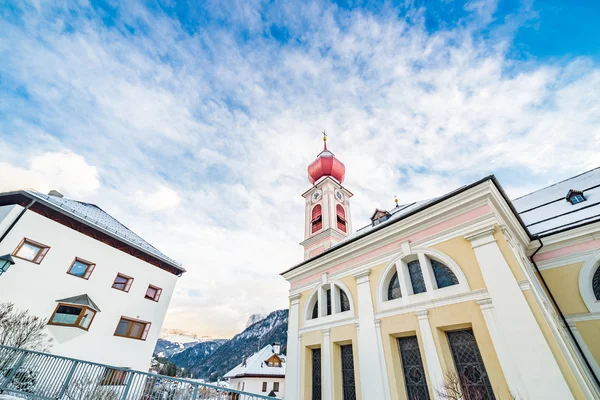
327, 204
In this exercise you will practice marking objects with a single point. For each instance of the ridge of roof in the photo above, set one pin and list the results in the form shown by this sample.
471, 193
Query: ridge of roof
99, 219
556, 183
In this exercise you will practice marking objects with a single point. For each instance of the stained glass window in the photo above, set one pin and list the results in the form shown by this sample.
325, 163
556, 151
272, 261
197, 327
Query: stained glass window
328, 301
596, 284
348, 372
344, 301
443, 275
412, 365
473, 377
416, 277
316, 374
315, 311
394, 288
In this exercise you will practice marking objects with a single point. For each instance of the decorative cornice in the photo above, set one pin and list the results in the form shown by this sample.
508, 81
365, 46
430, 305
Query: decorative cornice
485, 303
481, 237
363, 276
295, 297
422, 314
326, 331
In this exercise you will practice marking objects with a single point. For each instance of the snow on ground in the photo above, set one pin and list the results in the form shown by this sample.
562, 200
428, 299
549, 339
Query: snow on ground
8, 397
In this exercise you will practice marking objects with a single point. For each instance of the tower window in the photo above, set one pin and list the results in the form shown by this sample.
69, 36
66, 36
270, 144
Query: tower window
316, 222
575, 196
341, 218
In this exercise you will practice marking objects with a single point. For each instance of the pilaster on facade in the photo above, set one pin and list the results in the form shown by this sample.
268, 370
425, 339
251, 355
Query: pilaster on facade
380, 351
514, 319
511, 373
292, 373
370, 366
584, 348
326, 365
432, 360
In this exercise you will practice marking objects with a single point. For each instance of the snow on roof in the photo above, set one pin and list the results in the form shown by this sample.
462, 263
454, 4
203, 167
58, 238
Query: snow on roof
255, 365
544, 211
100, 219
547, 210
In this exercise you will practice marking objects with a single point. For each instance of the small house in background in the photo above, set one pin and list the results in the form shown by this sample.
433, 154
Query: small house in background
262, 373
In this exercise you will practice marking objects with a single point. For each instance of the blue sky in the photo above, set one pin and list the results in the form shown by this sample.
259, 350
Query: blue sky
194, 123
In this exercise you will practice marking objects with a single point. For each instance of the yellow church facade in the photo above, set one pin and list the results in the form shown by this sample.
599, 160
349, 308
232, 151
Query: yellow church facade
443, 299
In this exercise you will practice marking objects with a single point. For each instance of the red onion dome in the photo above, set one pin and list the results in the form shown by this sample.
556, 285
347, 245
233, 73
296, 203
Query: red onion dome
326, 165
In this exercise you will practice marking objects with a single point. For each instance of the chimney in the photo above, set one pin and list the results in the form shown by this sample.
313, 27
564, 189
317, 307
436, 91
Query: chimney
243, 361
55, 193
277, 348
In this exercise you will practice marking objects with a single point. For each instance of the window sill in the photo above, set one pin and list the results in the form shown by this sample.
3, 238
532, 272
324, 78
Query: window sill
28, 260
129, 337
68, 326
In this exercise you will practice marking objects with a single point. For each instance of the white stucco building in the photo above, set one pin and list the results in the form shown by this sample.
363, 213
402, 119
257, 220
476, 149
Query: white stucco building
104, 290
262, 373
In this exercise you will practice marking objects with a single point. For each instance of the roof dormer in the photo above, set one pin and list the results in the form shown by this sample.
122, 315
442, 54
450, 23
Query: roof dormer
575, 196
379, 216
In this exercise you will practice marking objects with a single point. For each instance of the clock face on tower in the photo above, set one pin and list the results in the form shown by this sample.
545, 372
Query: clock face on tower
316, 196
339, 196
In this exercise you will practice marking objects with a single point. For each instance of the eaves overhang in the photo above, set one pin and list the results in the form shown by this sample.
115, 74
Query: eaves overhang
22, 198
490, 178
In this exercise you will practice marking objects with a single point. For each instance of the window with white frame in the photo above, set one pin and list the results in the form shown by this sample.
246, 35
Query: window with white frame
328, 299
415, 274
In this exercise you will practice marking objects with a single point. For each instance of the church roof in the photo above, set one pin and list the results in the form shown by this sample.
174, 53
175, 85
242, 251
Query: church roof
542, 213
99, 219
256, 365
547, 211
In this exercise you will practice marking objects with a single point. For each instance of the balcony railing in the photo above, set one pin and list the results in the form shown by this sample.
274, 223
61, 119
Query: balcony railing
35, 375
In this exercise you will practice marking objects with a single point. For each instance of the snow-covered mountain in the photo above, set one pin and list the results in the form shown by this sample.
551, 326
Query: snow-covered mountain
173, 341
254, 318
211, 360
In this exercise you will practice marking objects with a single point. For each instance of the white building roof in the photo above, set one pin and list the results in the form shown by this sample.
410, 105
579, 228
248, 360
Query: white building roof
546, 211
256, 365
99, 219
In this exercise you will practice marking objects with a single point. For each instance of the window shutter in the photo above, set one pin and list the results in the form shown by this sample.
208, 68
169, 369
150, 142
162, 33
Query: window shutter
341, 218
158, 293
146, 330
316, 219
128, 284
41, 254
89, 271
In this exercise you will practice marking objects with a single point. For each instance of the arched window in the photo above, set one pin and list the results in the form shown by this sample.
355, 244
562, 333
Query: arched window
328, 300
341, 218
596, 284
316, 221
420, 271
443, 275
416, 277
344, 301
394, 288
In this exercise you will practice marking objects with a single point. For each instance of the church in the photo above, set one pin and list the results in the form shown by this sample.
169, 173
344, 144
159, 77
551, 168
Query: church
469, 295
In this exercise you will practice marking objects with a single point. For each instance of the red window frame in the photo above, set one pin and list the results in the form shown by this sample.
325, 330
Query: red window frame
316, 221
341, 218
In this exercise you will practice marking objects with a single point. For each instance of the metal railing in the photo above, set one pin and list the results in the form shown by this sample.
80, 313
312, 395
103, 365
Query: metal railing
35, 375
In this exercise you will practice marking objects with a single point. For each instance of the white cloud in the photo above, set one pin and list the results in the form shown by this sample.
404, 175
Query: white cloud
63, 171
203, 139
159, 199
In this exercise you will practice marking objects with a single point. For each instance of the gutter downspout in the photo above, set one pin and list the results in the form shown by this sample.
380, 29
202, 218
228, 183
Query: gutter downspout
16, 220
562, 316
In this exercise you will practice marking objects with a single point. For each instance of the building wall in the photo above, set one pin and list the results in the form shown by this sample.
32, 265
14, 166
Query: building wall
462, 313
254, 385
37, 287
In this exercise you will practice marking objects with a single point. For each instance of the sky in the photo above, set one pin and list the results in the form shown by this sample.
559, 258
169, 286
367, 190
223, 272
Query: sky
193, 123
